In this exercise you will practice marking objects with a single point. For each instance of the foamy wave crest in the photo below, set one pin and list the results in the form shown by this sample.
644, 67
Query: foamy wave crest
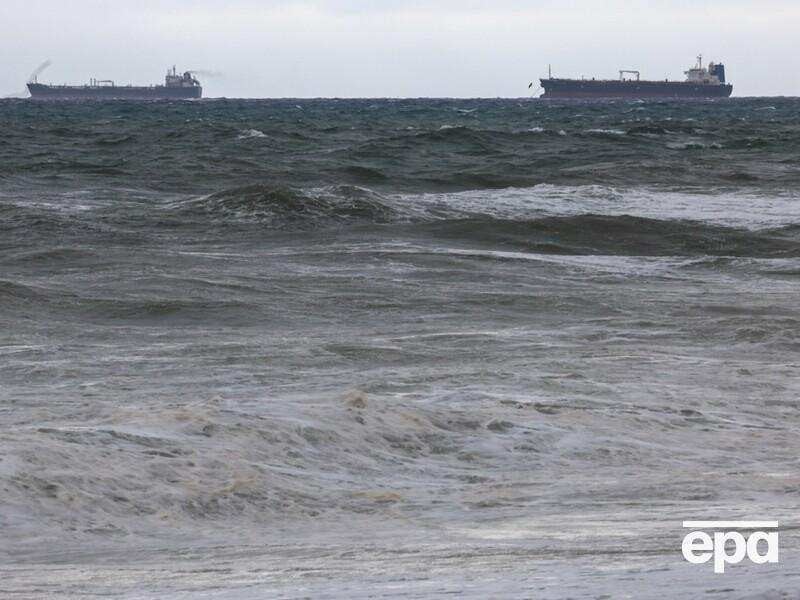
606, 131
251, 133
288, 207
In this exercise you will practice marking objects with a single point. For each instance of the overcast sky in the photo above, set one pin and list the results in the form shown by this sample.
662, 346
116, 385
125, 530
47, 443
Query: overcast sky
405, 48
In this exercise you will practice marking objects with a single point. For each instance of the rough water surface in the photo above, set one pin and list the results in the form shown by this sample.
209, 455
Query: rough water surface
375, 348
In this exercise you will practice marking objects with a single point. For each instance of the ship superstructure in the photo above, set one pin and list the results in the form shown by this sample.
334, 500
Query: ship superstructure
701, 82
176, 87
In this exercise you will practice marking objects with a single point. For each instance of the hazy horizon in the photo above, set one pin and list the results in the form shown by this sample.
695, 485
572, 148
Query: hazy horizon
349, 48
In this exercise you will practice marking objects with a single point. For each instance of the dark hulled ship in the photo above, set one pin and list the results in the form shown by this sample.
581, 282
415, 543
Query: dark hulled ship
176, 87
701, 82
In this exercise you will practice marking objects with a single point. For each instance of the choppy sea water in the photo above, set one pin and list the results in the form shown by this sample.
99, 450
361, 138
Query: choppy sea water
357, 349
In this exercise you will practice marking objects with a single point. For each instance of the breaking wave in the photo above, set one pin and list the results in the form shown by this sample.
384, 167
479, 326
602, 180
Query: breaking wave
287, 207
251, 133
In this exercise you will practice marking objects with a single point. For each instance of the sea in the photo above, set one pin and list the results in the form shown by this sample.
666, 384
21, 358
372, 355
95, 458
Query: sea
421, 348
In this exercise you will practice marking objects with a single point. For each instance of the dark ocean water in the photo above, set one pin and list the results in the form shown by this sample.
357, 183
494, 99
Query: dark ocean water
375, 348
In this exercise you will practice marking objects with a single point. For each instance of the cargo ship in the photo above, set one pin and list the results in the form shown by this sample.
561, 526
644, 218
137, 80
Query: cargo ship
176, 87
701, 82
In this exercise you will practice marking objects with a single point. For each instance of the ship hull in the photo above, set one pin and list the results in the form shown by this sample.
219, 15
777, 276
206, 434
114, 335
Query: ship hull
41, 91
591, 88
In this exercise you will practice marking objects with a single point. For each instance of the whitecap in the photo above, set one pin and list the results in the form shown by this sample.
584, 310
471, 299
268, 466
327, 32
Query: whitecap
606, 131
251, 133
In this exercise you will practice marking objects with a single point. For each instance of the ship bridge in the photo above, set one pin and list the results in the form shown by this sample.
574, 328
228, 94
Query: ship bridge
174, 80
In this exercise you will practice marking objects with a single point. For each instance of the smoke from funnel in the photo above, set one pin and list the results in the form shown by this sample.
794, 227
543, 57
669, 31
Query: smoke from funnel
205, 73
39, 70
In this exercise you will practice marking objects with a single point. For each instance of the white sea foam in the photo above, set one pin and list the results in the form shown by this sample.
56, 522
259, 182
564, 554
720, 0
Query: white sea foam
740, 209
606, 131
251, 133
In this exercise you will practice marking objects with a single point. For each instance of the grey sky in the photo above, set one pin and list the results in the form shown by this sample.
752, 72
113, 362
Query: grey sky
404, 48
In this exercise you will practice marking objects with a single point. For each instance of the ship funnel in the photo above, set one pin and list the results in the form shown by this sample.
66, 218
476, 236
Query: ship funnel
719, 71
